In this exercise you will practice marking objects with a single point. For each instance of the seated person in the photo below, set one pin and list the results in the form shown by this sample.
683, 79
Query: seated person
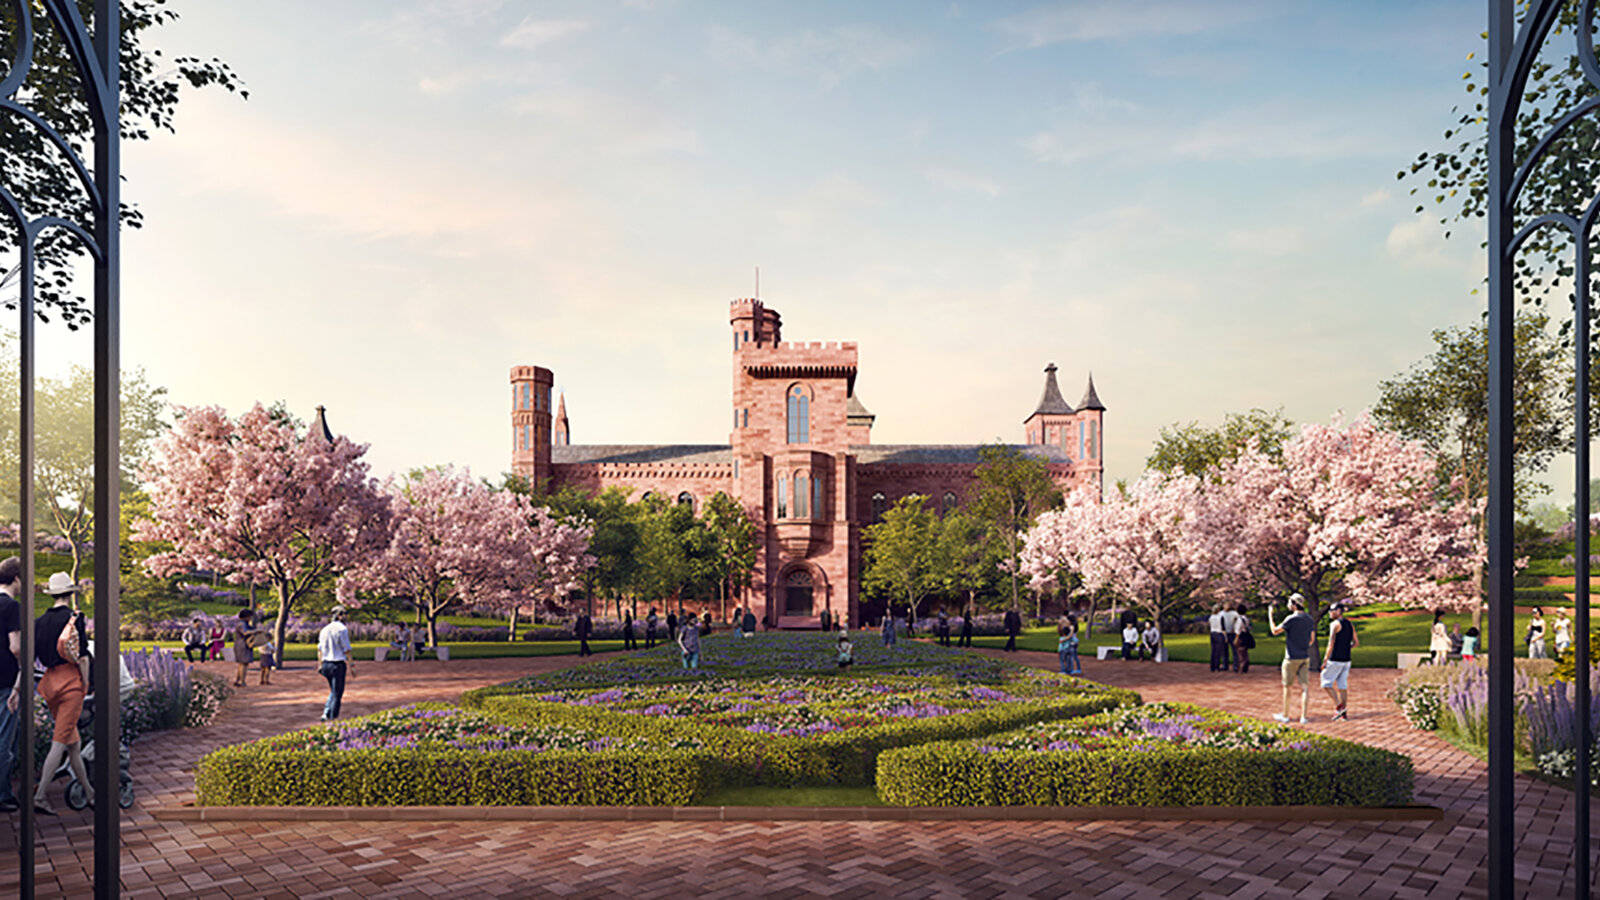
1130, 640
1151, 641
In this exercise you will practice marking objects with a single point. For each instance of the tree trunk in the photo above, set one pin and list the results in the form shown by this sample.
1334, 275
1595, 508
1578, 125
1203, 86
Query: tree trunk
252, 593
281, 622
433, 626
76, 559
511, 633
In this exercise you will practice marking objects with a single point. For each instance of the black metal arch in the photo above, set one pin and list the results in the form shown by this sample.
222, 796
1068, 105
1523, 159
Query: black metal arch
1513, 51
95, 57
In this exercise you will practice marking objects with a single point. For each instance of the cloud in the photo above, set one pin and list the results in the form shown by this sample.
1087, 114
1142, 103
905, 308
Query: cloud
1101, 20
1376, 198
1415, 239
827, 203
965, 182
609, 122
429, 21
531, 32
1280, 240
830, 56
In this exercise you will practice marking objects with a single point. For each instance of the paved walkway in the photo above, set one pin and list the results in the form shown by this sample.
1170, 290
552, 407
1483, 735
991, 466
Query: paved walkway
852, 859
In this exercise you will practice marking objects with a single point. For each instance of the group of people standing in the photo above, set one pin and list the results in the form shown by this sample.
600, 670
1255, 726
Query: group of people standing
1231, 639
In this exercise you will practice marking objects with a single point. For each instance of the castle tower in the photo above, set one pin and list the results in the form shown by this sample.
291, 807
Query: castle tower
563, 433
1091, 413
530, 422
1051, 421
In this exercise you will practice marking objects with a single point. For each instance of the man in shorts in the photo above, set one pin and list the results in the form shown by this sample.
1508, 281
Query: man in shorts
1336, 661
1297, 630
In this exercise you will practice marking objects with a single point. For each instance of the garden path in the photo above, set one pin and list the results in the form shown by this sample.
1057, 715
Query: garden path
852, 859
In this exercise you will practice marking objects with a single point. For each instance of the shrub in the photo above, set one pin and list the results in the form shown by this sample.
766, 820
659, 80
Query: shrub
1158, 755
207, 692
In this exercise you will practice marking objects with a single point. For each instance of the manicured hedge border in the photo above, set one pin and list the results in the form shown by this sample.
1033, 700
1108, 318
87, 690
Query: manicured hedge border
1332, 773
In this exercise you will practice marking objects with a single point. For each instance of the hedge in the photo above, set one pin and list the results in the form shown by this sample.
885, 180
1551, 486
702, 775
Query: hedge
1329, 772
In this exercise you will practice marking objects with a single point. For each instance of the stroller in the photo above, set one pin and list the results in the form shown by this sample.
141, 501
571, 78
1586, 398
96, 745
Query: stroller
77, 796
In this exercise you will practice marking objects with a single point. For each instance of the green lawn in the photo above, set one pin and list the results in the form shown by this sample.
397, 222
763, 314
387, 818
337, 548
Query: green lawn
1381, 639
458, 650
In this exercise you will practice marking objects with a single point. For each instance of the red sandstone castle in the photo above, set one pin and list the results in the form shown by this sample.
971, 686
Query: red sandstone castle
800, 459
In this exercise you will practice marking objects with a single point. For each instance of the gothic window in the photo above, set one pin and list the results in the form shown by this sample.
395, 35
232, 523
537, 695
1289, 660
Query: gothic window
816, 497
747, 417
879, 504
802, 493
686, 499
780, 487
949, 502
1080, 440
1093, 450
799, 416
797, 589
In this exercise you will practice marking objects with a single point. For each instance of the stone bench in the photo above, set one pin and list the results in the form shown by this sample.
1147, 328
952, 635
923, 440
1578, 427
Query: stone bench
1107, 651
1411, 660
379, 654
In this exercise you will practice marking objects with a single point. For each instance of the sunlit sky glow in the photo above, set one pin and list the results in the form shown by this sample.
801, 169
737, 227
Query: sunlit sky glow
1196, 200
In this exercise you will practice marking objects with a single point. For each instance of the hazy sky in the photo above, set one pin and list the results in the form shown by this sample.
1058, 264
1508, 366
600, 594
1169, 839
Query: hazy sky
1195, 200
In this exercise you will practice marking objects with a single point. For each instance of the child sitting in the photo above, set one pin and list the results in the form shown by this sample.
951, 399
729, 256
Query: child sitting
845, 658
1469, 645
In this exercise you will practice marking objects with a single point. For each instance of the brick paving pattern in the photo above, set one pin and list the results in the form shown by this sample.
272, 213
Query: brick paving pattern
641, 860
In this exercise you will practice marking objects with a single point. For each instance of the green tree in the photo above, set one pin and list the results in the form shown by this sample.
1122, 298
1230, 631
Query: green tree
151, 85
671, 554
901, 551
734, 544
966, 557
64, 448
1012, 490
144, 599
616, 542
1193, 449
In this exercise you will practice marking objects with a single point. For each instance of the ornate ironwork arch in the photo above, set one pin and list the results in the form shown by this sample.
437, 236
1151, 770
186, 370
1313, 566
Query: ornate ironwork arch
1513, 51
95, 58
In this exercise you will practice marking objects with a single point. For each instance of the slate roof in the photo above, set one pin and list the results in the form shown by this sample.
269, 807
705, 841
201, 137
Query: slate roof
1091, 400
571, 454
854, 410
926, 454
1051, 402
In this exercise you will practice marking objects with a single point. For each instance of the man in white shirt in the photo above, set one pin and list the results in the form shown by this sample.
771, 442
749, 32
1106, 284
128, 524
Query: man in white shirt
1219, 640
334, 661
1130, 640
1230, 624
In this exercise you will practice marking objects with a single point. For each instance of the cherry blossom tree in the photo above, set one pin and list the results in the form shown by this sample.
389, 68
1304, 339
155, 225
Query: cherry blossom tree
254, 501
455, 542
1352, 514
1138, 544
560, 557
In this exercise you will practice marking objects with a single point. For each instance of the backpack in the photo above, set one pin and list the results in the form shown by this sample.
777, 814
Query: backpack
1247, 640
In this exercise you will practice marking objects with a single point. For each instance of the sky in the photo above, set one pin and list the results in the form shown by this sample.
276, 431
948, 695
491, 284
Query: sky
1196, 201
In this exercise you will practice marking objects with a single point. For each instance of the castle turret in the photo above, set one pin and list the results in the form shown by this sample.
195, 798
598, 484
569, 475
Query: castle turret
1050, 421
1091, 413
563, 433
530, 422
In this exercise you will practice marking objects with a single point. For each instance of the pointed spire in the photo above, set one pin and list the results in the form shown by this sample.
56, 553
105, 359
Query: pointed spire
1051, 402
1091, 400
319, 426
561, 435
561, 407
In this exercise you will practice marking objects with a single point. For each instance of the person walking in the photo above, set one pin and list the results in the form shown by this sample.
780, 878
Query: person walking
650, 621
1013, 628
1536, 634
1218, 639
1297, 631
846, 650
60, 645
243, 654
747, 624
943, 627
1563, 632
11, 675
966, 629
582, 629
672, 626
1438, 640
408, 645
888, 627
334, 662
1067, 649
1244, 640
628, 643
705, 624
822, 619
1336, 660
194, 638
1230, 624
689, 643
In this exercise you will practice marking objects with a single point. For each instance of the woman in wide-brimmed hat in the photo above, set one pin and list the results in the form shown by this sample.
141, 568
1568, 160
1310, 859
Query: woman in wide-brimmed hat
60, 644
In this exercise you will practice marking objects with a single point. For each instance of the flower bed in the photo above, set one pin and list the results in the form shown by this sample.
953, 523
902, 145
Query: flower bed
1155, 755
819, 730
433, 754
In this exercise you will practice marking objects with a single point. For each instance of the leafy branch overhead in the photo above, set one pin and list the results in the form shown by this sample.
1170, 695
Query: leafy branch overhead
34, 172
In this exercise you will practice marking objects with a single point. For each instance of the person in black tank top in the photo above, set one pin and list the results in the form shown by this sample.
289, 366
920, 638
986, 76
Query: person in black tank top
1336, 662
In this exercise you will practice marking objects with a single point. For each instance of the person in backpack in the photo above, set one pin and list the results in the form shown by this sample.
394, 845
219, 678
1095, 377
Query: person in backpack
61, 645
1244, 640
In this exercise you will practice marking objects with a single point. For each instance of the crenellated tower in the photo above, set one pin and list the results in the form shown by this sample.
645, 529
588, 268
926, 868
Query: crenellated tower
530, 422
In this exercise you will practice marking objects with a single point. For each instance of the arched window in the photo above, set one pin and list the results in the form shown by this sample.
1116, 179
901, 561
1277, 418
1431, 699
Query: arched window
816, 497
1080, 440
645, 496
879, 504
949, 503
797, 590
780, 487
799, 416
1093, 448
802, 493
686, 499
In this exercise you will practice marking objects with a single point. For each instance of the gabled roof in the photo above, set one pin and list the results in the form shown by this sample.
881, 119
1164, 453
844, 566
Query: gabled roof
1051, 402
1091, 400
933, 454
570, 454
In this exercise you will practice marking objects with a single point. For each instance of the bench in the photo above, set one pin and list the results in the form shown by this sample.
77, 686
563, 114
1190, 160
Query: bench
1107, 651
1411, 660
379, 654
